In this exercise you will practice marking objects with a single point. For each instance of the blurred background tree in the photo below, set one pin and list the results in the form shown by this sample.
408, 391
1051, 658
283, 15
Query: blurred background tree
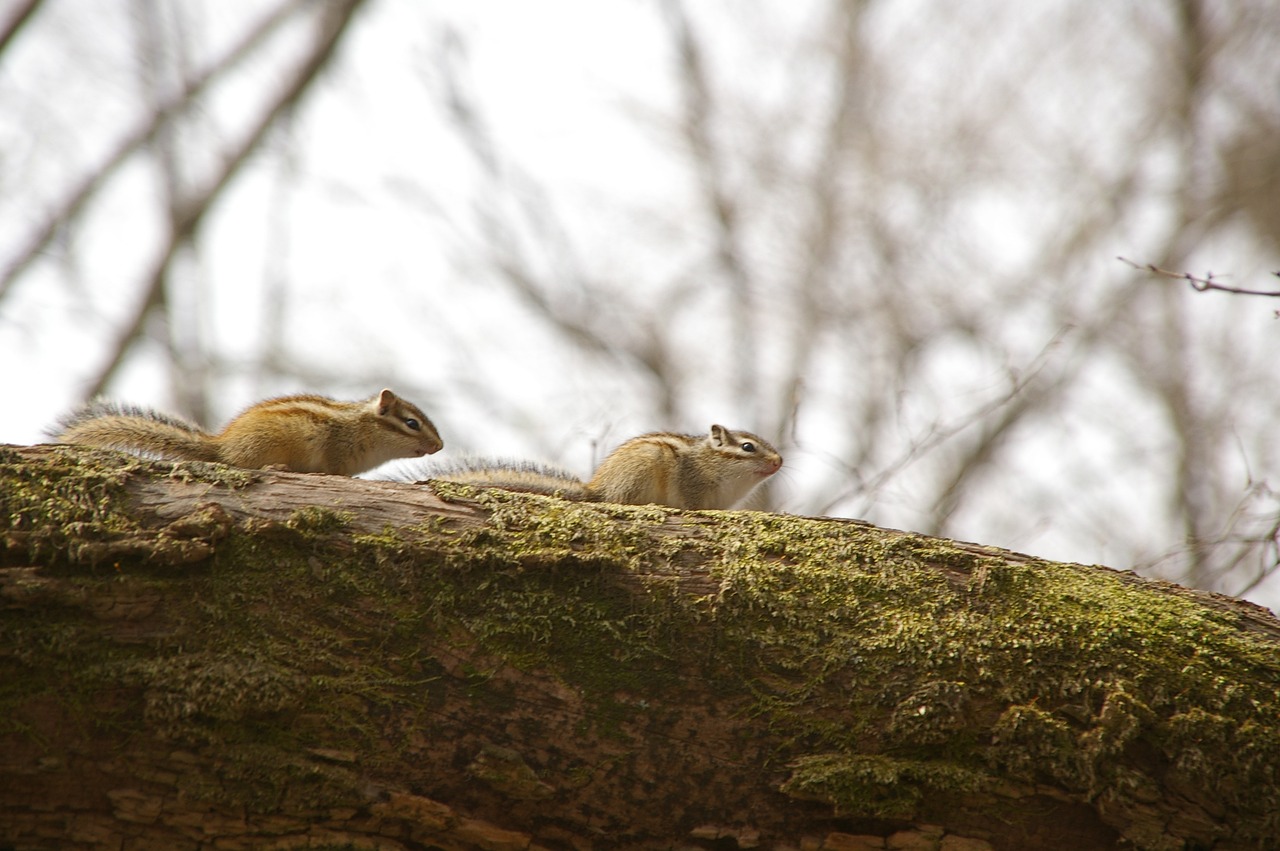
883, 233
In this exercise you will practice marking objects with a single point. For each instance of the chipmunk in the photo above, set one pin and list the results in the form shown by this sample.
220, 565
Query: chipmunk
716, 471
305, 434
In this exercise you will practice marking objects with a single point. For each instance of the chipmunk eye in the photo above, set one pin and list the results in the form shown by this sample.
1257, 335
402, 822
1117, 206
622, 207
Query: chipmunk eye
748, 446
412, 423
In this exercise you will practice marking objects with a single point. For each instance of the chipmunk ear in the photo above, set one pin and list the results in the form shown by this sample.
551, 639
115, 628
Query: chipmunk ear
386, 400
719, 435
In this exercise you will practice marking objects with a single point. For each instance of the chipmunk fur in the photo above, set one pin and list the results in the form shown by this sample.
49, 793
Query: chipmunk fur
716, 470
303, 433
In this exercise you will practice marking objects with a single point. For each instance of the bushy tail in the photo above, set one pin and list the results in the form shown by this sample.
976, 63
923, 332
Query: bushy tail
523, 476
109, 425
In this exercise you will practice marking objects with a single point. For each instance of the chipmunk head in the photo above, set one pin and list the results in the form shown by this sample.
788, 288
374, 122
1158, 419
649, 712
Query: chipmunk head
762, 459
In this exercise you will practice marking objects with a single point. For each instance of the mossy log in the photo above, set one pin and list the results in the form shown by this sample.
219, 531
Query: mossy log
195, 657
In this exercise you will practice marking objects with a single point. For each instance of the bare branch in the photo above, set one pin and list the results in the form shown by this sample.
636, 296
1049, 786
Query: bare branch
20, 17
1270, 543
188, 216
506, 252
74, 204
1023, 382
1201, 284
723, 204
825, 225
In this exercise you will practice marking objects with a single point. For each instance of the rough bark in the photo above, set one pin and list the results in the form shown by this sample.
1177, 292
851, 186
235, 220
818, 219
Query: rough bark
193, 656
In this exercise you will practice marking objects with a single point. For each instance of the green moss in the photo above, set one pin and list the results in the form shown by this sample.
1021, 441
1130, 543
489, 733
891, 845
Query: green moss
72, 507
266, 779
530, 530
314, 518
876, 650
212, 474
1033, 745
932, 714
52, 509
207, 687
889, 667
875, 786
1196, 743
1079, 670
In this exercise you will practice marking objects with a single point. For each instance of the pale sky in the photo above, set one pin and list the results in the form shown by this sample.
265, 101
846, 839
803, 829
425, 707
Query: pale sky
376, 197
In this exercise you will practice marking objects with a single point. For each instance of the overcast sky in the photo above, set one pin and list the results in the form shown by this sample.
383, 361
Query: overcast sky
377, 194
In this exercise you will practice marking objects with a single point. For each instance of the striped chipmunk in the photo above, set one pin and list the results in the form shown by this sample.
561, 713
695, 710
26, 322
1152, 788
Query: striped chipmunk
304, 434
716, 470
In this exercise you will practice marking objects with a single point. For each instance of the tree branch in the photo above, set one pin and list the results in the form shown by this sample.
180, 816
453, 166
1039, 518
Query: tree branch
413, 667
1201, 283
21, 15
723, 206
76, 201
188, 215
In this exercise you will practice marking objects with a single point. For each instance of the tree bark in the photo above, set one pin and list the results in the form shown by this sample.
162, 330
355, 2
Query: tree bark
194, 656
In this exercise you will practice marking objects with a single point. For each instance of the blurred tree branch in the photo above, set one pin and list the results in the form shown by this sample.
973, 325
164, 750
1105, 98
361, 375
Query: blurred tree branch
723, 203
22, 13
75, 202
868, 234
587, 322
1201, 283
187, 213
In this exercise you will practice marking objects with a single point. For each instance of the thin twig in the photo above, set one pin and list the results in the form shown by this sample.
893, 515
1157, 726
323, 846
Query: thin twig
187, 216
1200, 284
937, 436
77, 200
501, 230
724, 207
23, 13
